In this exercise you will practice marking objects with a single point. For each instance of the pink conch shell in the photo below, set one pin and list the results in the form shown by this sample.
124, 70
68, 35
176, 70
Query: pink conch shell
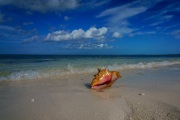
104, 78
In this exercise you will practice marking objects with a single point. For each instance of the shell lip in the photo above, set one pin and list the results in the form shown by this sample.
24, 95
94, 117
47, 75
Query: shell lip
101, 85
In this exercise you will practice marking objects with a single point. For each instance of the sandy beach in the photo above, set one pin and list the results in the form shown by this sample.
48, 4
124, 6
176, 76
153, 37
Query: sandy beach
89, 59
151, 94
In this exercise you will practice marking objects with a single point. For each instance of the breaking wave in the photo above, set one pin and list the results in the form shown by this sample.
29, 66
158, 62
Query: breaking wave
71, 70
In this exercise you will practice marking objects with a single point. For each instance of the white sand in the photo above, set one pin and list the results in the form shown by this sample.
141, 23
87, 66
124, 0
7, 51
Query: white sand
71, 99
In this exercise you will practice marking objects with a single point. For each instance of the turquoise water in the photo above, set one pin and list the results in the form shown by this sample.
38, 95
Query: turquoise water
18, 67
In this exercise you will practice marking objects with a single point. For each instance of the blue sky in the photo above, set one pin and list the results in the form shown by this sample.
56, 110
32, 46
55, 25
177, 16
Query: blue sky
90, 27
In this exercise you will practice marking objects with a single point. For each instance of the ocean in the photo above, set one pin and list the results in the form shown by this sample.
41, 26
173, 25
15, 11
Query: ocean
27, 67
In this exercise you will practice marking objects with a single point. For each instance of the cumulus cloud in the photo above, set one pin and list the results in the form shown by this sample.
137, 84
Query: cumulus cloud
42, 5
89, 46
92, 32
116, 35
102, 46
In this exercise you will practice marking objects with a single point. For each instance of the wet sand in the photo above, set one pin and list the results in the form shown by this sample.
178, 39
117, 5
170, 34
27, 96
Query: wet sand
151, 94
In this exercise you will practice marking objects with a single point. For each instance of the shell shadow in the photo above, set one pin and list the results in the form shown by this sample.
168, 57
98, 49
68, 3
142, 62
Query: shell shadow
87, 85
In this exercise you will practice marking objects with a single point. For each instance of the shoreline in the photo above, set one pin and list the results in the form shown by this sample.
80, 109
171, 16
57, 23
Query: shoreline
140, 94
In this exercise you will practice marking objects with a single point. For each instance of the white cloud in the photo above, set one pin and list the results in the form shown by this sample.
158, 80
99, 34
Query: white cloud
160, 18
31, 39
95, 33
8, 31
91, 4
6, 28
127, 12
118, 16
87, 46
156, 23
116, 35
164, 14
92, 32
66, 18
15, 33
172, 26
167, 17
173, 6
42, 5
100, 46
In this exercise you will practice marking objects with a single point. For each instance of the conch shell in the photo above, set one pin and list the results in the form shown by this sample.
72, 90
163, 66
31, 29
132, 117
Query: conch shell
104, 78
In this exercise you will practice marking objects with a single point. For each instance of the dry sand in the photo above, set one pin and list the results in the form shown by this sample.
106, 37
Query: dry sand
139, 95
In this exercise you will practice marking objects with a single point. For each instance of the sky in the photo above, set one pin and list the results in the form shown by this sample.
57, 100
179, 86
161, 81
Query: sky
76, 27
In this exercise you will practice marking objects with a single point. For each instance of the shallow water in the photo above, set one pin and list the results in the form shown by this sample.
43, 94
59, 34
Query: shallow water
18, 67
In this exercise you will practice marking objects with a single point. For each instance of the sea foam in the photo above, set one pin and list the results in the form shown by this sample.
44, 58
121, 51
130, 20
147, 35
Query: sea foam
71, 70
